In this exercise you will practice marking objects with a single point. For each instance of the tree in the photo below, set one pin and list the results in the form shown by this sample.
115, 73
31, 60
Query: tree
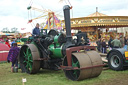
14, 30
5, 30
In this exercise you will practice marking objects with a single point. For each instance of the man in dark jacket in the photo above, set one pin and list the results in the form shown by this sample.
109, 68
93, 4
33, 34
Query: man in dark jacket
36, 30
109, 42
125, 41
122, 41
104, 46
98, 45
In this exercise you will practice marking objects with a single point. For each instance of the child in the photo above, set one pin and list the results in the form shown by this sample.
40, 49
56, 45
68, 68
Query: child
13, 57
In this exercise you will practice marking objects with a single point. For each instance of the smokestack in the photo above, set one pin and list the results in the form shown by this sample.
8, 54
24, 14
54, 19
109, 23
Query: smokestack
66, 10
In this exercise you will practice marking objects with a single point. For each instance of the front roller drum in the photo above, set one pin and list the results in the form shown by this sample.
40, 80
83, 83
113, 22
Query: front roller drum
83, 60
28, 59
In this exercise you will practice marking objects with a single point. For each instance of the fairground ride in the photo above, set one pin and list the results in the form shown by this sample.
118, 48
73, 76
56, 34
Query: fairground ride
51, 18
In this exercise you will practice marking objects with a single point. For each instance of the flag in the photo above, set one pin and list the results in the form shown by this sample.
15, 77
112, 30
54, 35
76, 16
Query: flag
23, 28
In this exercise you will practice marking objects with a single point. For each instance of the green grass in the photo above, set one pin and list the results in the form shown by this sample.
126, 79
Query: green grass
47, 77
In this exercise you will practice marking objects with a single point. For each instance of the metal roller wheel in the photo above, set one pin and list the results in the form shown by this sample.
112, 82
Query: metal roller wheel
83, 60
28, 59
72, 74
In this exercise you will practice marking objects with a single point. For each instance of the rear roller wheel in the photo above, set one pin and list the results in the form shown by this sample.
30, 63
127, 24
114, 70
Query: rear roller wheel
83, 60
28, 59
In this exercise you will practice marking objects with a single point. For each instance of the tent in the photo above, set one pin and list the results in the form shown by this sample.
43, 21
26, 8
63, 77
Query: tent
4, 49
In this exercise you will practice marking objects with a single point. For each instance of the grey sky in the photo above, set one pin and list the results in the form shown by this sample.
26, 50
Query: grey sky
14, 13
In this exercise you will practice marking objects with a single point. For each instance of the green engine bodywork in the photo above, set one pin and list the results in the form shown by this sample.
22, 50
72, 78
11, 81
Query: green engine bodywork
56, 48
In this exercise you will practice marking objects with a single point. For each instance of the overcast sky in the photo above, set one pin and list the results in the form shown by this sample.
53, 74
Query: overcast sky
14, 13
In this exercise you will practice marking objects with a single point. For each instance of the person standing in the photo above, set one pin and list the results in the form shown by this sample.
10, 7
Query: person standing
98, 45
13, 41
116, 43
13, 57
36, 30
125, 40
104, 46
125, 43
7, 43
109, 43
122, 41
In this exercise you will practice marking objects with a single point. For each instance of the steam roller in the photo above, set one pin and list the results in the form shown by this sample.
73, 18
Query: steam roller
86, 65
55, 50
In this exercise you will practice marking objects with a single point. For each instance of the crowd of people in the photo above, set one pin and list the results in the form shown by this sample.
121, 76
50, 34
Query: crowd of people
8, 42
118, 42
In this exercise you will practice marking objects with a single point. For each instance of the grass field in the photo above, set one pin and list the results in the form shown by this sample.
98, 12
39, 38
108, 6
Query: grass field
47, 77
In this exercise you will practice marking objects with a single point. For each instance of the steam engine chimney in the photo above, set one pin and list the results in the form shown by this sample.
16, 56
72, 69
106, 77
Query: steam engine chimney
66, 10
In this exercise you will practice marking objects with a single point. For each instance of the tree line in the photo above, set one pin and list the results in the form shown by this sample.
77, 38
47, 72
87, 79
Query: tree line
13, 30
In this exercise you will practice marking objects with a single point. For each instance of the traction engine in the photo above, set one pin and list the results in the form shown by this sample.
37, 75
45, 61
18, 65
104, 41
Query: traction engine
55, 50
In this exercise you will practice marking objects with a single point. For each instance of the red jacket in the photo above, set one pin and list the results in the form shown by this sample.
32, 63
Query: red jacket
7, 44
